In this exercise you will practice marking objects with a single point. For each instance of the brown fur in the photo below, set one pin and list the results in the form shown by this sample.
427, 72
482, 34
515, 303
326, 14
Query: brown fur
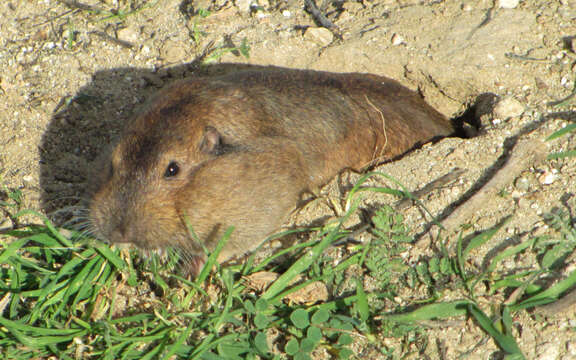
247, 145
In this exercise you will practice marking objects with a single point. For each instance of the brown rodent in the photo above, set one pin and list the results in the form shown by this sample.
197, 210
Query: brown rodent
239, 150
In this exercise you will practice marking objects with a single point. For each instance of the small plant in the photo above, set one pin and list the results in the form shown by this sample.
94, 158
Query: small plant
501, 332
11, 198
70, 34
383, 253
211, 54
10, 204
309, 331
216, 54
562, 154
120, 14
195, 32
555, 251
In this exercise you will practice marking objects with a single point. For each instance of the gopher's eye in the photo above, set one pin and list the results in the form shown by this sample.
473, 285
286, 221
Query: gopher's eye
172, 170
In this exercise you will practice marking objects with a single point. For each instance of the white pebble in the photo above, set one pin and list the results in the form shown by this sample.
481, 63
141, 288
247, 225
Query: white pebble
320, 36
509, 4
548, 178
549, 351
508, 107
397, 40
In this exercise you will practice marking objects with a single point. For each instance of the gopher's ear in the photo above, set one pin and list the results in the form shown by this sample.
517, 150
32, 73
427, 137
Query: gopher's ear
211, 141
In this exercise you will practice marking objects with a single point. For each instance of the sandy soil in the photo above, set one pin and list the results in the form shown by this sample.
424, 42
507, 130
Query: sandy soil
71, 76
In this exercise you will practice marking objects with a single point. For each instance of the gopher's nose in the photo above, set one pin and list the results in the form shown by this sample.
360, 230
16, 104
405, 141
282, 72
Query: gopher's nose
117, 235
120, 231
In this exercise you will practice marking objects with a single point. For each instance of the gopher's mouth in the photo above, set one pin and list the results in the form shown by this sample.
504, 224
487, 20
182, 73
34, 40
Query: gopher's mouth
191, 265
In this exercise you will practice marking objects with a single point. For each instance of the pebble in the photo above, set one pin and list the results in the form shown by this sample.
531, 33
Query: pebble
397, 40
509, 4
244, 6
549, 351
319, 35
522, 184
540, 230
261, 14
508, 107
548, 177
173, 51
128, 34
571, 348
353, 7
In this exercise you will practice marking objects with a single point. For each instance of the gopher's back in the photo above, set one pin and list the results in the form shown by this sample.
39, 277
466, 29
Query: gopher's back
340, 121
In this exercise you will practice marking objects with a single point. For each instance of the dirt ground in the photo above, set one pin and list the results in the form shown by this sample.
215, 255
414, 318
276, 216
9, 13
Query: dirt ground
70, 76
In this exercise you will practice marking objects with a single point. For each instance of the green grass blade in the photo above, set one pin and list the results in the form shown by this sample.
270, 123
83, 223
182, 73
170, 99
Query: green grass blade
549, 295
172, 350
248, 269
511, 251
213, 258
506, 342
67, 269
38, 331
562, 132
342, 265
94, 282
300, 265
460, 257
61, 238
153, 354
111, 256
362, 304
77, 282
561, 155
483, 237
432, 311
11, 249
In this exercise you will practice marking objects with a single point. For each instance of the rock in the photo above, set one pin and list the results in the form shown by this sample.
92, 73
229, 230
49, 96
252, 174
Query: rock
244, 6
548, 351
397, 40
522, 184
548, 177
320, 36
28, 179
173, 51
353, 7
509, 4
571, 349
128, 34
508, 107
